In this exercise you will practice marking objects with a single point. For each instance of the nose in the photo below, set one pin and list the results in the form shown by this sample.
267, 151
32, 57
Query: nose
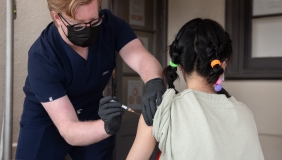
88, 24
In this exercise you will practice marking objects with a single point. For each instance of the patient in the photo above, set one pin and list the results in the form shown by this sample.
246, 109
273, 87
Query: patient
203, 122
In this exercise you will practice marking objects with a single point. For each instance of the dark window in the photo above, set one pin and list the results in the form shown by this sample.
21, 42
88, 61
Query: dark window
239, 17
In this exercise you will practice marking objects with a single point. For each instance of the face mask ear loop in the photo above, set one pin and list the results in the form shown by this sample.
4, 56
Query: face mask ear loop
64, 32
62, 18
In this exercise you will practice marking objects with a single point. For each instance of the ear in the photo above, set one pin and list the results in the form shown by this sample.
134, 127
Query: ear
56, 18
183, 72
224, 64
180, 68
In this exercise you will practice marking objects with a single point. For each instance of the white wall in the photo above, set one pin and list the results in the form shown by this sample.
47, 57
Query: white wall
262, 97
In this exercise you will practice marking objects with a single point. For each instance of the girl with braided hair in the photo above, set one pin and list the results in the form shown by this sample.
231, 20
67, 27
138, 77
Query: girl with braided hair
203, 122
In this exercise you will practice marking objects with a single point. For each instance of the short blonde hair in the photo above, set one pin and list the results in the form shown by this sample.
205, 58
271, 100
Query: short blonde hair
67, 6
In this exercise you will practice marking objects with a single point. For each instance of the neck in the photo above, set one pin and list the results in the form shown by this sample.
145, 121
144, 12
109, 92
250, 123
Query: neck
199, 83
83, 52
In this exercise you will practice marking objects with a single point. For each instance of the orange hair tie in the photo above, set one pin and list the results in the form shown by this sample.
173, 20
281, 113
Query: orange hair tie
215, 62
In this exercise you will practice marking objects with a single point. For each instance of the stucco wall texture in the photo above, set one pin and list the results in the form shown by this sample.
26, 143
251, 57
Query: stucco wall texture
31, 20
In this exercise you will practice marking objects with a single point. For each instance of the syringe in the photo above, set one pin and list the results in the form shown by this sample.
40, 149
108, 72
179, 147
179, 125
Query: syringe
126, 108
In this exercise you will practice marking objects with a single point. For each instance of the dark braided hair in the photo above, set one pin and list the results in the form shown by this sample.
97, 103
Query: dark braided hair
196, 45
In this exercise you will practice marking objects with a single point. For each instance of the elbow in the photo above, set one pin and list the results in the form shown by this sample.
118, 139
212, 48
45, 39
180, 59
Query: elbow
70, 141
69, 137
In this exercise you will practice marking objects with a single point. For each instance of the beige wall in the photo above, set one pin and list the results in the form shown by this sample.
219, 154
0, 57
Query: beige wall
31, 19
262, 97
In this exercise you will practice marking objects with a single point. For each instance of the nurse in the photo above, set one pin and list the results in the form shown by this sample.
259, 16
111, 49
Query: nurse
69, 66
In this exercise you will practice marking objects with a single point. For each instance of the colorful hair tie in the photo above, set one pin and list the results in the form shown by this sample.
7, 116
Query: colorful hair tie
173, 64
218, 86
214, 62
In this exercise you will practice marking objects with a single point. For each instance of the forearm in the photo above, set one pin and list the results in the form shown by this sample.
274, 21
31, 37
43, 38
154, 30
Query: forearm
84, 133
75, 132
144, 142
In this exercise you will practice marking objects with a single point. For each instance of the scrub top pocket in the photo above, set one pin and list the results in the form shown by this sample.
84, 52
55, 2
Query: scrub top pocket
105, 75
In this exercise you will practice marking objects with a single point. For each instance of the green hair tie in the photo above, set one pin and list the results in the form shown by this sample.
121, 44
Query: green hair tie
173, 64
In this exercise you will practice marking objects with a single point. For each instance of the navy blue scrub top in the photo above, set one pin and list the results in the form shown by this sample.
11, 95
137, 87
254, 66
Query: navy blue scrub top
56, 70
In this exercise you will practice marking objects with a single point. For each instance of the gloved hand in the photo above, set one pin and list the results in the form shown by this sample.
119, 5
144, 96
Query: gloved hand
151, 98
111, 113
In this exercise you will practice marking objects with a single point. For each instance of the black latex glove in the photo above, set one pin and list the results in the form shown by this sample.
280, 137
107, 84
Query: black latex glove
111, 113
151, 98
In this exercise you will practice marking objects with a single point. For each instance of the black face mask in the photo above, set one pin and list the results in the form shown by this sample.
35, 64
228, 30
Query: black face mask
84, 37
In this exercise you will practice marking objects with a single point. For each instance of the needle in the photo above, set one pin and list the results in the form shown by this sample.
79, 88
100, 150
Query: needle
127, 108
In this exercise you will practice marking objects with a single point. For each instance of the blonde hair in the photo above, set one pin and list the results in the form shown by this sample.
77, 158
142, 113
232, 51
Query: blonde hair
67, 6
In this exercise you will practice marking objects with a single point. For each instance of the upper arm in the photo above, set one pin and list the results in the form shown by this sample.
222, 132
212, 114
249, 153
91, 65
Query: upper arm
140, 60
144, 142
133, 53
126, 43
61, 112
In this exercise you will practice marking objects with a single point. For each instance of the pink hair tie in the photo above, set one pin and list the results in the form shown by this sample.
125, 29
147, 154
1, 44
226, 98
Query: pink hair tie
219, 81
218, 86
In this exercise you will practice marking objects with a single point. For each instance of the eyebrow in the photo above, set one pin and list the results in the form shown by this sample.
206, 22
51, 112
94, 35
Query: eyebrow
79, 21
99, 10
75, 21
